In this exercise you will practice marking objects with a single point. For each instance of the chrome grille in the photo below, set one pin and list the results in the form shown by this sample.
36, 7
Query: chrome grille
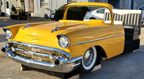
38, 50
39, 53
35, 57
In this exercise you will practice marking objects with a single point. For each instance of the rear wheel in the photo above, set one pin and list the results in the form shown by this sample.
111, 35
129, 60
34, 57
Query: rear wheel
89, 60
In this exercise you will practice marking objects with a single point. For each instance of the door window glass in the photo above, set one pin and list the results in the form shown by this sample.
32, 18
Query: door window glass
100, 11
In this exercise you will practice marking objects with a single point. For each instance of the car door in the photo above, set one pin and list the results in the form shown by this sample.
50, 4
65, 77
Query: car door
99, 13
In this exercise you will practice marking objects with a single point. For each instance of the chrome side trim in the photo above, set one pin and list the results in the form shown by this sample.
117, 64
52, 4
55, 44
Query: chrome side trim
98, 39
43, 47
119, 35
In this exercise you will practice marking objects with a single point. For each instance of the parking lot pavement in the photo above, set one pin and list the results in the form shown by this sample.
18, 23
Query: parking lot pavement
127, 66
6, 21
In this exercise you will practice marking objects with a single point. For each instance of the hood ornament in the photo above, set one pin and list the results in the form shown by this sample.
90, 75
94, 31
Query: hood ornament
57, 28
28, 25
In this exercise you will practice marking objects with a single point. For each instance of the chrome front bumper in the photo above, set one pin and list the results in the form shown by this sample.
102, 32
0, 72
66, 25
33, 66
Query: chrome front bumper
65, 66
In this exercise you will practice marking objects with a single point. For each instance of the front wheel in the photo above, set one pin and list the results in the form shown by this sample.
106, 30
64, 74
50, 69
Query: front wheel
89, 60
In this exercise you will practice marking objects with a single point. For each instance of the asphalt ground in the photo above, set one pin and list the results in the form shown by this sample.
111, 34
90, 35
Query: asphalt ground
127, 66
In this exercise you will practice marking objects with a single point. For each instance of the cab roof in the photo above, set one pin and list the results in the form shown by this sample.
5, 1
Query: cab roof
92, 4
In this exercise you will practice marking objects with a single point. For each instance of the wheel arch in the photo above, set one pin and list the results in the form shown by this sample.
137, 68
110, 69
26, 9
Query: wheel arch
101, 52
92, 17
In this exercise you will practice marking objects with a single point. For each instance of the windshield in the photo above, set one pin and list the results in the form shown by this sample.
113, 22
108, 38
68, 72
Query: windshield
88, 14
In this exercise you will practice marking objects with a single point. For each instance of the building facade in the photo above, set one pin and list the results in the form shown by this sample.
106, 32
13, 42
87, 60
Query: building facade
137, 4
5, 7
43, 8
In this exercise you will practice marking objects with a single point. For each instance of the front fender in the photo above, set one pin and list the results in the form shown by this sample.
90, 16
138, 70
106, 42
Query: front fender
80, 49
14, 29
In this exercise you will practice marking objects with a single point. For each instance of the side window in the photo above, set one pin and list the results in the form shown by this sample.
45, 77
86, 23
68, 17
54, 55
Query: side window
101, 11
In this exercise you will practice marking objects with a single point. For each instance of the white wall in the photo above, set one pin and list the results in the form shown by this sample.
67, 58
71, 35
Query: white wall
55, 4
37, 9
3, 6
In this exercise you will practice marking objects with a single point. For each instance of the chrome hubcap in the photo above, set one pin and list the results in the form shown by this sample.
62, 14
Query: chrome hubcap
87, 54
88, 57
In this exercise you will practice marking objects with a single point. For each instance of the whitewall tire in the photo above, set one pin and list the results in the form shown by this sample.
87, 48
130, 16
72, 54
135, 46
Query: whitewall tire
89, 60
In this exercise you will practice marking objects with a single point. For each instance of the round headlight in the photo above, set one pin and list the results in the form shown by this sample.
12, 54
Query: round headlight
64, 42
8, 34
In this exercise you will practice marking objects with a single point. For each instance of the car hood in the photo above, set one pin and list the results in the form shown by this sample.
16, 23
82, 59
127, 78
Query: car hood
44, 34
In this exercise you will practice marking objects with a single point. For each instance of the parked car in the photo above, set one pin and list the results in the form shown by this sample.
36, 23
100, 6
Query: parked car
142, 8
72, 44
95, 14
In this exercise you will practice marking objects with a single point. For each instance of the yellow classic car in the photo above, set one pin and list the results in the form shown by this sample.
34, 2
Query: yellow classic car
73, 44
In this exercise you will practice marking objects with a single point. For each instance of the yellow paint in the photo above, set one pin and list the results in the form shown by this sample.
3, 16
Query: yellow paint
76, 31
89, 4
